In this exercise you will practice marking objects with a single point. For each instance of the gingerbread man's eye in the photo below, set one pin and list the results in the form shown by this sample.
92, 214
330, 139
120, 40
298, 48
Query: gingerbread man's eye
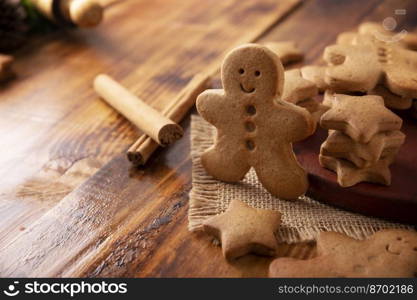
257, 73
241, 71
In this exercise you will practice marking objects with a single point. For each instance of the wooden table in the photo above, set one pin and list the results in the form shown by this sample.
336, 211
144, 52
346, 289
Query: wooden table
70, 203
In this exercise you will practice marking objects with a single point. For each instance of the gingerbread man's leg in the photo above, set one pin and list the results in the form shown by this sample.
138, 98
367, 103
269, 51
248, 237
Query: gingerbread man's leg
226, 161
280, 173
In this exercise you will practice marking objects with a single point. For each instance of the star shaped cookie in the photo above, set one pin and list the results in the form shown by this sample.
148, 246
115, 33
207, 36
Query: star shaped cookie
360, 117
349, 175
315, 108
5, 67
287, 51
387, 253
301, 92
383, 144
243, 229
392, 100
296, 88
316, 75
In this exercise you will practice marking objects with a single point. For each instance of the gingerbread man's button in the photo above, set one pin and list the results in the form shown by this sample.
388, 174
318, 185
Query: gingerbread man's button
251, 110
250, 144
250, 126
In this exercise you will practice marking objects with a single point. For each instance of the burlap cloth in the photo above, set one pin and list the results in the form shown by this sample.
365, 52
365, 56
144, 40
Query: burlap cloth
301, 219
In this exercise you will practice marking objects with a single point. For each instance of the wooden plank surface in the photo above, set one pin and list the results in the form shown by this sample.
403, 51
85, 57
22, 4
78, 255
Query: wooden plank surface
57, 132
124, 221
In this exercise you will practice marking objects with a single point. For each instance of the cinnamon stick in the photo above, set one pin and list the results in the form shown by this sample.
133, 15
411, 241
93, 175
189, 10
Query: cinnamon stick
142, 149
157, 126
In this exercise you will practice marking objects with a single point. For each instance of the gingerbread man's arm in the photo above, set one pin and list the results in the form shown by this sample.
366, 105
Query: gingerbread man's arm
210, 105
298, 122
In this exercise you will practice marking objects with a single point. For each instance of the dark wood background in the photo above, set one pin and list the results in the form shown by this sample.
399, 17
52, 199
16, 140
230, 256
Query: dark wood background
70, 203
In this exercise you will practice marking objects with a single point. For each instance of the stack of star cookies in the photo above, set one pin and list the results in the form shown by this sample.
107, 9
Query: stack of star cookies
364, 138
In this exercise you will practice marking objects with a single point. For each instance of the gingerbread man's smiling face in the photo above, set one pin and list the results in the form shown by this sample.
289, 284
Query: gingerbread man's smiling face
401, 244
254, 71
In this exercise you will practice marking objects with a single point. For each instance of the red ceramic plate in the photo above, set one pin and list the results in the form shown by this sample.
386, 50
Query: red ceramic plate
397, 202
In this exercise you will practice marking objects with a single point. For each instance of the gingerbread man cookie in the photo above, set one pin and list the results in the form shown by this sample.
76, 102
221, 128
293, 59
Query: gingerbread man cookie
401, 39
387, 253
346, 38
369, 62
297, 88
255, 128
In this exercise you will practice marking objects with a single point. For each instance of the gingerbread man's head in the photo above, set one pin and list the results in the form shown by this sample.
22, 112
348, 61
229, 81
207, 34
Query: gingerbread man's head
253, 70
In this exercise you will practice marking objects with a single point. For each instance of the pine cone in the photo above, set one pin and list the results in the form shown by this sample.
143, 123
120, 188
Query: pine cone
13, 27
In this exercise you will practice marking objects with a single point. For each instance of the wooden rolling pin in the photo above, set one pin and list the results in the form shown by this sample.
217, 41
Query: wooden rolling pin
157, 126
82, 13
